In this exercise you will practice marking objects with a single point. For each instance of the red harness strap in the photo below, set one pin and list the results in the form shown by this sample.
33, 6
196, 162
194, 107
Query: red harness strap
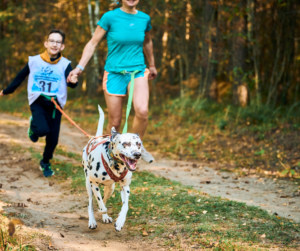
111, 174
88, 150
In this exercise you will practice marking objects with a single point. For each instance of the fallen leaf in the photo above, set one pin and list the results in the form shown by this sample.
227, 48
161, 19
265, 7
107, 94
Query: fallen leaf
187, 217
244, 224
13, 187
12, 224
204, 212
225, 177
51, 183
0, 185
284, 204
194, 165
199, 200
29, 199
171, 236
153, 218
21, 205
228, 193
205, 182
62, 235
145, 233
13, 179
263, 236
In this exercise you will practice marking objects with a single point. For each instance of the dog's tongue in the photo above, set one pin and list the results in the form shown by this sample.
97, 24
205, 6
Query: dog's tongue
131, 163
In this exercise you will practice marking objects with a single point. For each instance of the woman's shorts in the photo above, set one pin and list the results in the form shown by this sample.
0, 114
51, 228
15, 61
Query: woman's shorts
116, 83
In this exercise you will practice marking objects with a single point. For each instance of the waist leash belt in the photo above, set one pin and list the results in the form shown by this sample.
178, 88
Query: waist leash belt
49, 98
131, 89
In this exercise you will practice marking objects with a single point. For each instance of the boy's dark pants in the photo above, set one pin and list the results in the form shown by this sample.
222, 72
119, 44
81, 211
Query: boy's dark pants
43, 124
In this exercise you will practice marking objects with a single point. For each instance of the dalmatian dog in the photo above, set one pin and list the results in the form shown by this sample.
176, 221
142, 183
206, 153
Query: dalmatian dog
107, 160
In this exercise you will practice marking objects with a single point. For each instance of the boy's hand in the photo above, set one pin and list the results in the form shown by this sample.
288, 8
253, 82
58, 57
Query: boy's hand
76, 72
73, 79
1, 93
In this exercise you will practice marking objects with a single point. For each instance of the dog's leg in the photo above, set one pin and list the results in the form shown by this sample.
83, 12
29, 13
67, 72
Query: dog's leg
108, 191
96, 190
122, 215
92, 221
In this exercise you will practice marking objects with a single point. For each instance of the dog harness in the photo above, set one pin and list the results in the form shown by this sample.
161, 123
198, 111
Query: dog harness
92, 145
111, 174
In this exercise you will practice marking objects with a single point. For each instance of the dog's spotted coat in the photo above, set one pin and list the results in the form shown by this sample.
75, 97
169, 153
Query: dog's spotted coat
124, 147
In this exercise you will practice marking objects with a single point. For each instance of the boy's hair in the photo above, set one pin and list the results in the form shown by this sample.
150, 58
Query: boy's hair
59, 32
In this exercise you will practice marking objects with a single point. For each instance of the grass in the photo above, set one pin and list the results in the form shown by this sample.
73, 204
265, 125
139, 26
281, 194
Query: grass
227, 137
21, 240
177, 216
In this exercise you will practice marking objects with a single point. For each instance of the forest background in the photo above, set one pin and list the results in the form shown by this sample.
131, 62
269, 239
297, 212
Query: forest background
228, 73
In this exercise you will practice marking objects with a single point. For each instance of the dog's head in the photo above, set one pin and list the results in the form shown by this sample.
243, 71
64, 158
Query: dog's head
126, 147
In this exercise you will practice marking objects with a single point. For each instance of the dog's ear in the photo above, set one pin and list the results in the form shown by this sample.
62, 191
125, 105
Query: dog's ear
113, 132
137, 134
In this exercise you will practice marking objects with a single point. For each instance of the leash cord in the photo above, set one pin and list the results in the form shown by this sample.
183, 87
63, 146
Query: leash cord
129, 98
71, 121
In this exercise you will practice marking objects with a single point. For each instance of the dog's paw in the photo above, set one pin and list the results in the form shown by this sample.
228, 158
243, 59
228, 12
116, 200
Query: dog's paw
103, 210
120, 223
106, 218
92, 224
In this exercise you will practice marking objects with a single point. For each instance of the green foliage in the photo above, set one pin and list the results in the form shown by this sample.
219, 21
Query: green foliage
153, 197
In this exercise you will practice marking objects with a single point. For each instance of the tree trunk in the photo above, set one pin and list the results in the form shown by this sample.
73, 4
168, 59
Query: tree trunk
208, 52
238, 50
93, 19
253, 48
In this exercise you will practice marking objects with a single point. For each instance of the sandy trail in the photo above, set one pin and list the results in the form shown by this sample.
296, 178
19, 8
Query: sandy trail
50, 206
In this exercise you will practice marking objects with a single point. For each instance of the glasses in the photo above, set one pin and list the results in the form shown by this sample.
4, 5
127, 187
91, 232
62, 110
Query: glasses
59, 43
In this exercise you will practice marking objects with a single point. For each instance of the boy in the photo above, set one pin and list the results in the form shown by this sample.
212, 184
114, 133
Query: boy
47, 78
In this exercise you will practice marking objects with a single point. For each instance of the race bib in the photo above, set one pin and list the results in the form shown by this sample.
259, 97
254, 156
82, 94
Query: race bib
46, 80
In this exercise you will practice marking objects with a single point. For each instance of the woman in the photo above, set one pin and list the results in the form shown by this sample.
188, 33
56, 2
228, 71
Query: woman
127, 32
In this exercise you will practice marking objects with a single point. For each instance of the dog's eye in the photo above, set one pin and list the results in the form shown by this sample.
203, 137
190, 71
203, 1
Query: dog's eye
138, 144
126, 144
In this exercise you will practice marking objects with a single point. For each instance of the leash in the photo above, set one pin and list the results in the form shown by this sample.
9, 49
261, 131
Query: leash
129, 97
71, 121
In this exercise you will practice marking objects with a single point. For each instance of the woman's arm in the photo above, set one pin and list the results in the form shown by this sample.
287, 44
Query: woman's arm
148, 49
88, 51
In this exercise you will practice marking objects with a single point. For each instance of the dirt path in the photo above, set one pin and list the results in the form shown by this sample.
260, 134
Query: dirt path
49, 206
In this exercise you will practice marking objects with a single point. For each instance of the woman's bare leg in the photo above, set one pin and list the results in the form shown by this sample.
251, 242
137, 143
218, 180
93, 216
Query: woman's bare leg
140, 104
114, 106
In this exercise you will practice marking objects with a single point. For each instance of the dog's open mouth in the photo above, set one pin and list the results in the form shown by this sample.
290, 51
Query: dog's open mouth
130, 163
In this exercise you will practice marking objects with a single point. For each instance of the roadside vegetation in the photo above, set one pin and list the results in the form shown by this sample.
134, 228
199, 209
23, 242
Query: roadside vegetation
245, 140
180, 217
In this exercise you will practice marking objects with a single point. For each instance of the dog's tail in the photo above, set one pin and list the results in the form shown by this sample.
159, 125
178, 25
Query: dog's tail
101, 122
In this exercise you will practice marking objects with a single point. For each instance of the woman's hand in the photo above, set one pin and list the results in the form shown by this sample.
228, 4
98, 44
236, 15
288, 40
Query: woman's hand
88, 51
153, 72
1, 93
